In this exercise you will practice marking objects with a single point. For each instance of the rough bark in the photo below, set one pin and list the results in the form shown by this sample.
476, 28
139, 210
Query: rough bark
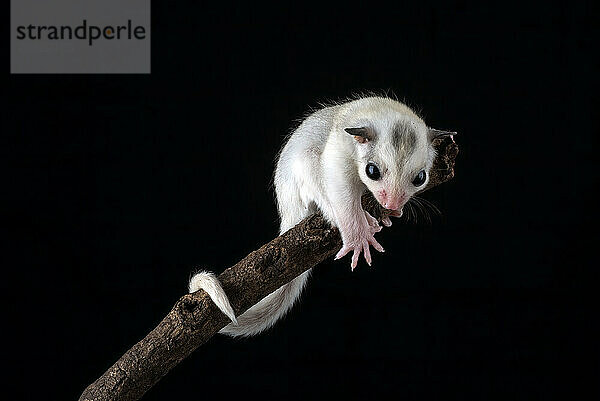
194, 318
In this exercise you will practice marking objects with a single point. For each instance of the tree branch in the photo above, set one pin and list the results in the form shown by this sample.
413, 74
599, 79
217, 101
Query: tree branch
194, 319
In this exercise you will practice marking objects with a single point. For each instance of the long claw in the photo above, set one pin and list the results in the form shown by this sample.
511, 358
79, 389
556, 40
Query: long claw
386, 221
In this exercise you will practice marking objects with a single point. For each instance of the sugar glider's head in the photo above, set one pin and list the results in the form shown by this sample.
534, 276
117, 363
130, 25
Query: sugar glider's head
393, 149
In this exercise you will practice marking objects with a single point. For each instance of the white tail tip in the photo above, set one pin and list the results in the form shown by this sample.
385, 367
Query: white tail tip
208, 282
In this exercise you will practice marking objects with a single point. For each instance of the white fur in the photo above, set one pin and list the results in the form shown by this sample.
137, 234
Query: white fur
208, 282
321, 168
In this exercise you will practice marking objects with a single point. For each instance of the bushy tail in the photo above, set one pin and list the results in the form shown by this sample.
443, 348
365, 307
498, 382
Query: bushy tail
271, 308
259, 317
208, 282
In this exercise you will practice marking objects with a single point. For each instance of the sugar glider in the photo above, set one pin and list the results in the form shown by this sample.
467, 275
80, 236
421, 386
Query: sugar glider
329, 161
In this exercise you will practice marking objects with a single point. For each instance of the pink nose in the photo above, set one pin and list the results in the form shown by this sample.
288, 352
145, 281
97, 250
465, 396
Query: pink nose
392, 202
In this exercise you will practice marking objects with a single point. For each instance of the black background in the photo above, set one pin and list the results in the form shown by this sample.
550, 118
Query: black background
123, 185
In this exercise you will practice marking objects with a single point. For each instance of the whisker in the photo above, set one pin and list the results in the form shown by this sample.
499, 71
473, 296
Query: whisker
407, 212
419, 206
413, 212
422, 210
430, 205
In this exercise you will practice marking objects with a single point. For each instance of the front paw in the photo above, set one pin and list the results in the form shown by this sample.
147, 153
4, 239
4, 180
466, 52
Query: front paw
357, 244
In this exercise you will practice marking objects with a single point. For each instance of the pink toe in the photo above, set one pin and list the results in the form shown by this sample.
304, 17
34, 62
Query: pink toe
367, 253
342, 252
354, 259
376, 245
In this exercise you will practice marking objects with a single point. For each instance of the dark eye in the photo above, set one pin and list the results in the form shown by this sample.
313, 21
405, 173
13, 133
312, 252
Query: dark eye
373, 172
420, 178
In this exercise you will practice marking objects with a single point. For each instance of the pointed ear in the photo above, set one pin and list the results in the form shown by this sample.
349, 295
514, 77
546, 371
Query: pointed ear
361, 134
436, 133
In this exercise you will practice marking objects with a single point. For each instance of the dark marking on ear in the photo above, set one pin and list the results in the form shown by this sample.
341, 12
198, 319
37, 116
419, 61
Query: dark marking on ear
361, 134
436, 133
404, 137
